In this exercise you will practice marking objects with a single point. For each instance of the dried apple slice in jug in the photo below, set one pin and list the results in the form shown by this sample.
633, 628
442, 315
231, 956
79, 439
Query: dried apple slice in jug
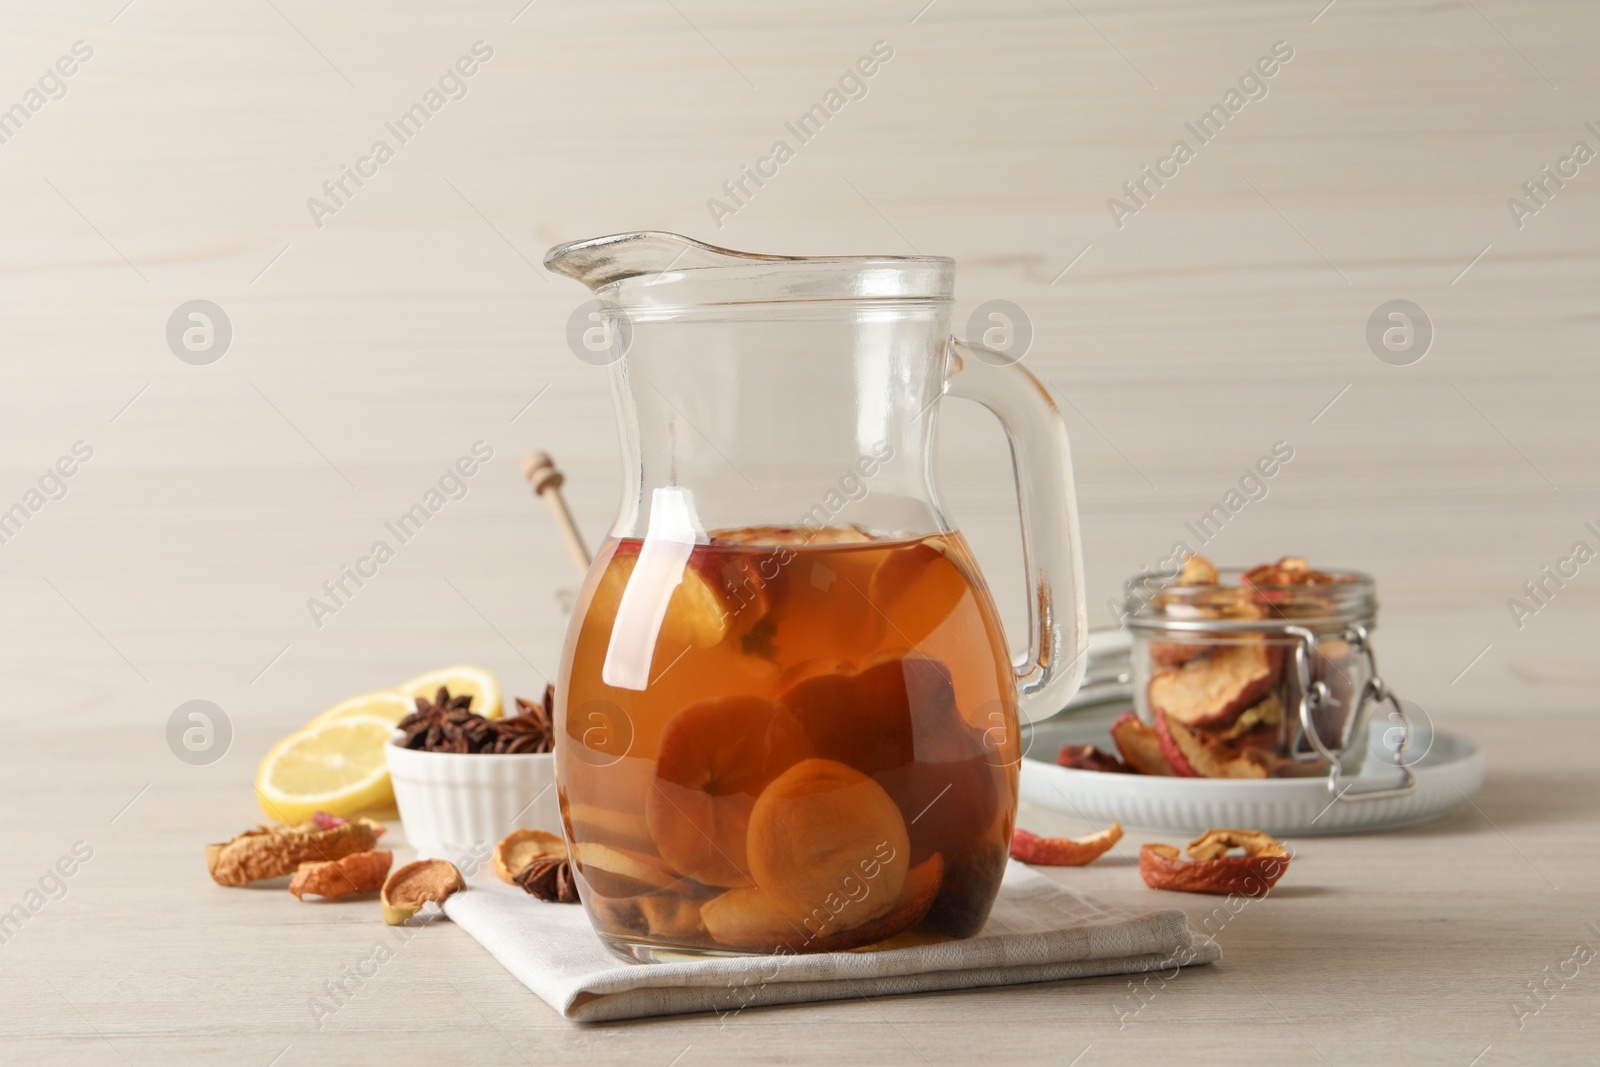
748, 919
717, 594
917, 587
825, 836
792, 535
622, 873
896, 720
715, 758
812, 582
864, 718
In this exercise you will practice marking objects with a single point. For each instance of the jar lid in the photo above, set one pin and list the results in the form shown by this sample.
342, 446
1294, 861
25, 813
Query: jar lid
1155, 601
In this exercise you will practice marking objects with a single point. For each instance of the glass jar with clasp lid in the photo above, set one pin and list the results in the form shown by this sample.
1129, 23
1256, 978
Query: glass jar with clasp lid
1261, 673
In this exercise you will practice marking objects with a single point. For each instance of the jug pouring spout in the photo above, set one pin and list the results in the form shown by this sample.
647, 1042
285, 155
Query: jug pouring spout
600, 261
655, 268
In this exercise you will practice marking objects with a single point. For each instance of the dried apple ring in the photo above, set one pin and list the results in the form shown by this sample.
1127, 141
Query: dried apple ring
715, 758
521, 847
824, 838
1210, 869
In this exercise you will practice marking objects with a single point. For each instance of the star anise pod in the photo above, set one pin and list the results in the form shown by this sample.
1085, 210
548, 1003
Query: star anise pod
549, 878
530, 730
436, 725
448, 724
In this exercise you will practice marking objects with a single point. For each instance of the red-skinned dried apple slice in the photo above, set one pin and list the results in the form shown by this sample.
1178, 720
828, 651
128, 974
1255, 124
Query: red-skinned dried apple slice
1140, 746
1212, 690
1211, 869
1192, 757
1063, 851
1173, 751
1090, 758
715, 758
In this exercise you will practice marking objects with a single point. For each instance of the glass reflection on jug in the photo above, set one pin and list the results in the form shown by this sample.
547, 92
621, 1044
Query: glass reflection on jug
787, 717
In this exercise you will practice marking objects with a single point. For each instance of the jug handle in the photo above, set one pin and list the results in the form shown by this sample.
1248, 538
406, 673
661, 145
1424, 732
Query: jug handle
1051, 670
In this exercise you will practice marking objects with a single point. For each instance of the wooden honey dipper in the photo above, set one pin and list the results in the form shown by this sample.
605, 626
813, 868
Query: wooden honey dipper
546, 481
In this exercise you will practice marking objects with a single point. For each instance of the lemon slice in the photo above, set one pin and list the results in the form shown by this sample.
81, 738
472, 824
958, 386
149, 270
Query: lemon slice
391, 705
476, 682
337, 766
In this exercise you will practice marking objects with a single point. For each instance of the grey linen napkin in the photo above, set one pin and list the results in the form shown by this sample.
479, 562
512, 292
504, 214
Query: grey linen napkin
1039, 931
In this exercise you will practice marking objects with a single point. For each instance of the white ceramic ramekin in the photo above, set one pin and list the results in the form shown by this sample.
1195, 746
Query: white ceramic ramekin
461, 804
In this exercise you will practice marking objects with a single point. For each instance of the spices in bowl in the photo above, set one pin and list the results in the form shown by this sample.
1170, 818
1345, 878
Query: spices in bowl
463, 781
448, 724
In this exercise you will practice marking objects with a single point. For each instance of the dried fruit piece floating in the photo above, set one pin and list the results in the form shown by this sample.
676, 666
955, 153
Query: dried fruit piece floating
1210, 868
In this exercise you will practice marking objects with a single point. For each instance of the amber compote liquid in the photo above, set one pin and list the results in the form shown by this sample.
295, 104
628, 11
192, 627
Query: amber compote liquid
786, 741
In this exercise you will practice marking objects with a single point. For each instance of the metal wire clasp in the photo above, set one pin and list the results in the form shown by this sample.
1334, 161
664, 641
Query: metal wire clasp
1315, 695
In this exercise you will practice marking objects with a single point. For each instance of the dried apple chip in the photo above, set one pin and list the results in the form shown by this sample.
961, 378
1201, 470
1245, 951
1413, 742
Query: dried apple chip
359, 872
1064, 851
1140, 746
1210, 868
1211, 690
521, 847
1090, 758
1290, 570
1192, 756
1197, 570
418, 883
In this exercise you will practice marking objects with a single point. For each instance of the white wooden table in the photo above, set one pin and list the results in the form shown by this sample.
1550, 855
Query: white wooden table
1409, 947
1227, 313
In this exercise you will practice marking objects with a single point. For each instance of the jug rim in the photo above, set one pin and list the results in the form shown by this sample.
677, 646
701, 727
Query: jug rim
655, 259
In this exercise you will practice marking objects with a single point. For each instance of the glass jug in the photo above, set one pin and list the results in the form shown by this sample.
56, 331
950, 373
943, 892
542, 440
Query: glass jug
787, 718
